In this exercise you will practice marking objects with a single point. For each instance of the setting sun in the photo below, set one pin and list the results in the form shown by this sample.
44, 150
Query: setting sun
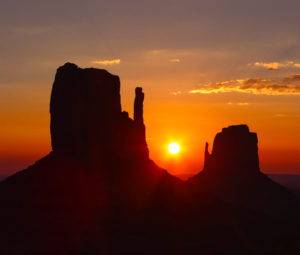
174, 148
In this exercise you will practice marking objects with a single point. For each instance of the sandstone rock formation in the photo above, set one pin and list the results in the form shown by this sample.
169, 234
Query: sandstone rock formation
97, 181
232, 173
138, 106
234, 152
87, 120
85, 105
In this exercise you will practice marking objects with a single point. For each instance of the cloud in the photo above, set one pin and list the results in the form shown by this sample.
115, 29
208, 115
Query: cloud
176, 93
175, 60
107, 62
157, 52
279, 115
276, 65
274, 86
239, 103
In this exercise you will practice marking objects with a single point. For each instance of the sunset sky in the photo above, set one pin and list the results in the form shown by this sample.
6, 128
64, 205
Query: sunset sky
203, 65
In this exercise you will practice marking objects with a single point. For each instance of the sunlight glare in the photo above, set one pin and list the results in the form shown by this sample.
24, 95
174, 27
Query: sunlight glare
174, 148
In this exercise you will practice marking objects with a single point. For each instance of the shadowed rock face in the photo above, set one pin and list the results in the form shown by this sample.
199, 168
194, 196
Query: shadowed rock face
138, 106
86, 116
234, 152
231, 172
84, 104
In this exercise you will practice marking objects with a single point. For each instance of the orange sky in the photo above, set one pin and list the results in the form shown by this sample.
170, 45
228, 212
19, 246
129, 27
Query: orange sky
203, 66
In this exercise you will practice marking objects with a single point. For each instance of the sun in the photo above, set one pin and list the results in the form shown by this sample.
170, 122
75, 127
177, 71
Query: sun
174, 148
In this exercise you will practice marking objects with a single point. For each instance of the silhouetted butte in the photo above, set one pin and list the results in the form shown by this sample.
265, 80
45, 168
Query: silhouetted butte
98, 192
232, 173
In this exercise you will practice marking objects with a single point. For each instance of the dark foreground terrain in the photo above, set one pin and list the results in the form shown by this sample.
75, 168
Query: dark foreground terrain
98, 192
291, 181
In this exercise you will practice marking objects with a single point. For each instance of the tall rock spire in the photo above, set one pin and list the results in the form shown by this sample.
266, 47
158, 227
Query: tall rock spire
206, 156
138, 105
140, 130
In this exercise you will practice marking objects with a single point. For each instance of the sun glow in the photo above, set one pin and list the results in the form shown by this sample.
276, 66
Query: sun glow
174, 148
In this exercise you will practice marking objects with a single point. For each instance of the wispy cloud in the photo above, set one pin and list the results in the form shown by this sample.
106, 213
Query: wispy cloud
176, 93
276, 65
238, 103
107, 62
279, 115
157, 52
175, 60
274, 86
